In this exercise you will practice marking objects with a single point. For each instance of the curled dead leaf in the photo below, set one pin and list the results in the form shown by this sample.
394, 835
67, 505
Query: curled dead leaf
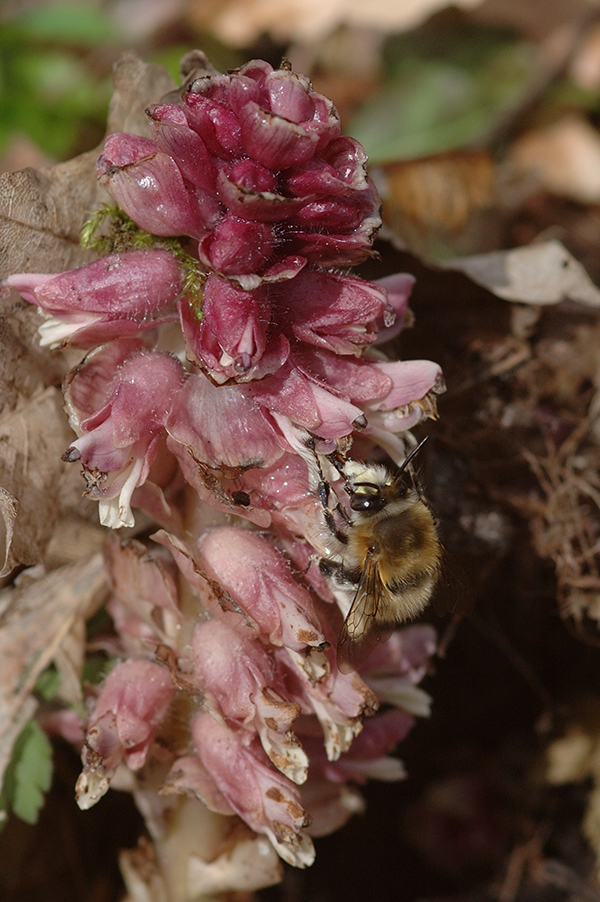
544, 273
440, 192
36, 618
241, 22
8, 512
33, 437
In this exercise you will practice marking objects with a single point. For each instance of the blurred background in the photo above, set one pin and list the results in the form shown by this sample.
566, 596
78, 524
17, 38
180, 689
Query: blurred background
481, 121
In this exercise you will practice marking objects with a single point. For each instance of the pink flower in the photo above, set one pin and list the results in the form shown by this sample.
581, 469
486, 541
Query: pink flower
212, 390
334, 397
118, 402
235, 339
144, 604
249, 577
114, 297
243, 152
252, 788
142, 179
240, 683
132, 703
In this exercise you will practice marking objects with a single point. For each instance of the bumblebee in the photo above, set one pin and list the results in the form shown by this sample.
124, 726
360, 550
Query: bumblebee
387, 551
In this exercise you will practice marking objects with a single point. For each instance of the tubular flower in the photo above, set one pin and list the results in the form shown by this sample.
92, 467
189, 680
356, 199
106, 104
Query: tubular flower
132, 703
221, 359
114, 297
118, 400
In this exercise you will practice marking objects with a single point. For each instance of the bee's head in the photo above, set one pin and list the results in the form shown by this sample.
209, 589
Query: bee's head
371, 486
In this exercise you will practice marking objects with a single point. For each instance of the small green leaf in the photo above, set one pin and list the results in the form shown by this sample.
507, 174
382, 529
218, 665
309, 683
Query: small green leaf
73, 23
96, 668
443, 96
29, 774
48, 684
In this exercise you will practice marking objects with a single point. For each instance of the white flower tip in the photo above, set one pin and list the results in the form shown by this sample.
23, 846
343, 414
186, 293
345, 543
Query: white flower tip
114, 514
299, 851
387, 769
53, 333
289, 758
402, 694
90, 787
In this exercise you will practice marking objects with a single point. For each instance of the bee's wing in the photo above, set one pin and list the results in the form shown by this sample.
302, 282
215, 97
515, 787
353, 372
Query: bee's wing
454, 591
361, 633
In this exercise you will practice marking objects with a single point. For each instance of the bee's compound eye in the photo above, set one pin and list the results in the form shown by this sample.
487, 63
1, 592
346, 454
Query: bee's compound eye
366, 502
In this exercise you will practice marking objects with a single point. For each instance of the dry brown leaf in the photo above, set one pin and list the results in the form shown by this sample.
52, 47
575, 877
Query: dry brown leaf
41, 215
563, 158
33, 437
544, 273
36, 618
440, 192
137, 84
8, 511
241, 22
42, 211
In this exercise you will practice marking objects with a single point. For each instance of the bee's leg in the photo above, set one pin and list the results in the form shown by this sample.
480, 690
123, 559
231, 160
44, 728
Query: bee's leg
332, 569
312, 559
324, 490
338, 460
336, 570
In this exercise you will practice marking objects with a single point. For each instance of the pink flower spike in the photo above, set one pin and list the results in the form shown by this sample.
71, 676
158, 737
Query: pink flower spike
132, 703
259, 794
110, 298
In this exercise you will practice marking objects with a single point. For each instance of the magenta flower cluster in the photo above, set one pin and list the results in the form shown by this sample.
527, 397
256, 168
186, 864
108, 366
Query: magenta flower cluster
218, 389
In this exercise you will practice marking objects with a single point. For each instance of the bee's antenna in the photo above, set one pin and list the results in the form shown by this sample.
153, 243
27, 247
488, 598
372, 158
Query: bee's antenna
412, 454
